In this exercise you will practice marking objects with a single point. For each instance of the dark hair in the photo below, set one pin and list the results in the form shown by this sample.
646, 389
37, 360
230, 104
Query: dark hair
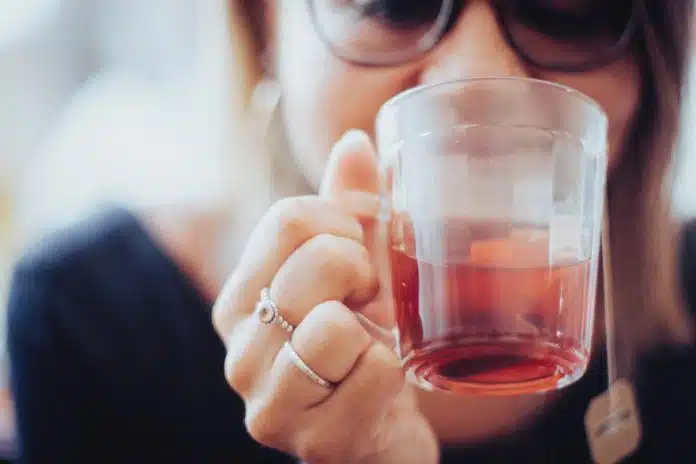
644, 237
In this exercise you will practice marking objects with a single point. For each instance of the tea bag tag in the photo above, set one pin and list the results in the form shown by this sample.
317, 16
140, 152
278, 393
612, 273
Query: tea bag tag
612, 423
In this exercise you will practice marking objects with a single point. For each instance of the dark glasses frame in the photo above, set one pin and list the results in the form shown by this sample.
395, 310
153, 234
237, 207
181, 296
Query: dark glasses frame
441, 28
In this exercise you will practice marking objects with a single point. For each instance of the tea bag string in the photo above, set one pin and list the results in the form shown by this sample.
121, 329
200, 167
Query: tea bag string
609, 320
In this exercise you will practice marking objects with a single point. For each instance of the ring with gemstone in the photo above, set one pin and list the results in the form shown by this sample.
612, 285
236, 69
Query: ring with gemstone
268, 313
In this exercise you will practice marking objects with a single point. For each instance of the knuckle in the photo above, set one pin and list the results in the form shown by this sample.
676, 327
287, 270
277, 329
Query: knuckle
228, 308
383, 362
328, 249
221, 316
222, 312
237, 377
302, 217
316, 454
340, 323
356, 251
240, 365
260, 426
313, 448
336, 255
293, 214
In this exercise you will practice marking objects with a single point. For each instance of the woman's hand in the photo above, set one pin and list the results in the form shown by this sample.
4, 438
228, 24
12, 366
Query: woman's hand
311, 253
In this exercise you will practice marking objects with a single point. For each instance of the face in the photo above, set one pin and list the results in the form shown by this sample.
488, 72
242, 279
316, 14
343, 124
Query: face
324, 95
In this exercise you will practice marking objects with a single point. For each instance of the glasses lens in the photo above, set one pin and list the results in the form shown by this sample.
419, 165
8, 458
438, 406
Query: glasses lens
566, 33
380, 31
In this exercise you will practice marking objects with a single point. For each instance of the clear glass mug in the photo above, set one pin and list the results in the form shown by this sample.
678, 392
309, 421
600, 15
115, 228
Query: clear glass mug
492, 203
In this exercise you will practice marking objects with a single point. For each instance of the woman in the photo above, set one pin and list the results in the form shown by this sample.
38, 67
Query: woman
113, 355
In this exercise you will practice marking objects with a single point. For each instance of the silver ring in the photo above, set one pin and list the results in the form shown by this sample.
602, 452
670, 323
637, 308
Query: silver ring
268, 313
308, 371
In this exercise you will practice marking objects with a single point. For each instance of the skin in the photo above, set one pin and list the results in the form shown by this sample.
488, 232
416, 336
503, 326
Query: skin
317, 112
311, 252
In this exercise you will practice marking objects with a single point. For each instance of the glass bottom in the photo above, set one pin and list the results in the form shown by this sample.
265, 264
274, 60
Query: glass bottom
496, 368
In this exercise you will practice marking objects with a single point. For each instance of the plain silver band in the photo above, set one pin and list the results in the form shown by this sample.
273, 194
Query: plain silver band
301, 365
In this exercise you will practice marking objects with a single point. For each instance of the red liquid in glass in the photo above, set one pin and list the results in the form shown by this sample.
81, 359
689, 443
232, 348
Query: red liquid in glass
483, 312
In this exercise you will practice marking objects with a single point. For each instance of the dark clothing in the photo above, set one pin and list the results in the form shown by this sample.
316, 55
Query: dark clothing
114, 359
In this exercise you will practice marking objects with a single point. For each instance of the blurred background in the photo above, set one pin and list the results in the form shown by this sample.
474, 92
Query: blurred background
124, 101
105, 101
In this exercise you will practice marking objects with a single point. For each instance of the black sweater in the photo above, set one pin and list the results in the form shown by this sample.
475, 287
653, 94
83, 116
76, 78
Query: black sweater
114, 359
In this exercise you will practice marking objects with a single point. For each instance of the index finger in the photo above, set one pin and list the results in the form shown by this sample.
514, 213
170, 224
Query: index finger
285, 227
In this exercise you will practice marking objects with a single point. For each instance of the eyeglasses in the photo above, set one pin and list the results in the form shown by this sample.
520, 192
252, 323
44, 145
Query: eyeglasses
558, 35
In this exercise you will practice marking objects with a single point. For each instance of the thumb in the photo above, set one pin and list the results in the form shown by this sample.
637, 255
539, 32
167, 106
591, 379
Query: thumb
352, 165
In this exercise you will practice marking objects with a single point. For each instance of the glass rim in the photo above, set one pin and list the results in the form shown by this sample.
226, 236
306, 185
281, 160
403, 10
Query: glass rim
408, 94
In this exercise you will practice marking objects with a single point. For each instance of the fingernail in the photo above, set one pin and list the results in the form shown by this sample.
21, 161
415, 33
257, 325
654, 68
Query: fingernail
353, 139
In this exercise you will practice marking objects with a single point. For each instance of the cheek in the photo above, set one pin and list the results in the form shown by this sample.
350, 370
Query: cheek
617, 89
303, 74
323, 96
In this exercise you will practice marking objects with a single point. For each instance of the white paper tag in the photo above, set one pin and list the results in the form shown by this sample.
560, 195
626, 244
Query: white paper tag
612, 423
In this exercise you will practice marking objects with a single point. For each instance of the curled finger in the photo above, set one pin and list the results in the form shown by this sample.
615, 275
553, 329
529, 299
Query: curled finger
329, 341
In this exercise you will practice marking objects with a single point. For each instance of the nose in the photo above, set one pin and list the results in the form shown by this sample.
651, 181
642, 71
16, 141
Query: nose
475, 48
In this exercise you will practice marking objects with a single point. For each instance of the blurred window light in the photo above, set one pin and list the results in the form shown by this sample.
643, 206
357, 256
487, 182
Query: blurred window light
18, 18
685, 166
107, 101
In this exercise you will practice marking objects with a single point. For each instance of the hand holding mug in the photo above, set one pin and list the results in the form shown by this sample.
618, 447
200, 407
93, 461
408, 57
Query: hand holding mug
318, 379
